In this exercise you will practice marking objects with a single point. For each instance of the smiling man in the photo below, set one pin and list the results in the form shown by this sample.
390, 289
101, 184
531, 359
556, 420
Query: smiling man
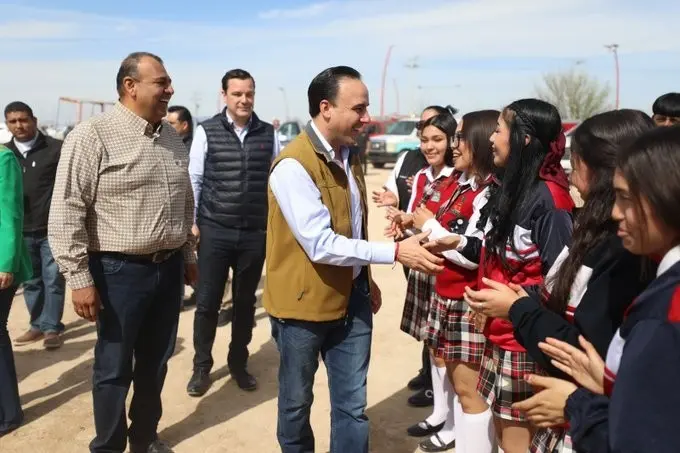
120, 228
229, 166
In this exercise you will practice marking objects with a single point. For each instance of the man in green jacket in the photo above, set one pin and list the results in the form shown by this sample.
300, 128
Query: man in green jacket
15, 268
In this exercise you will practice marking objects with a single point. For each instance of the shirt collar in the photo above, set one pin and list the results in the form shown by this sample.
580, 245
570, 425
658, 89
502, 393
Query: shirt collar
136, 121
327, 146
669, 259
27, 145
230, 120
444, 173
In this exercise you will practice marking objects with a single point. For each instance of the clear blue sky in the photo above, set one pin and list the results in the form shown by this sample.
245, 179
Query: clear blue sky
471, 53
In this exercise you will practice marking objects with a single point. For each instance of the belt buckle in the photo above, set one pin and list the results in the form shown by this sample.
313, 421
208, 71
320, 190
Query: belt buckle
160, 256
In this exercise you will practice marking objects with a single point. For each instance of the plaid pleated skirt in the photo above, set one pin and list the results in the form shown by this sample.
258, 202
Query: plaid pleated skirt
450, 333
501, 380
417, 304
551, 440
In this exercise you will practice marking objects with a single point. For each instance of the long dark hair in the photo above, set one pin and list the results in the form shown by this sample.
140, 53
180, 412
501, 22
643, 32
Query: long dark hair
446, 123
597, 142
477, 128
541, 122
651, 167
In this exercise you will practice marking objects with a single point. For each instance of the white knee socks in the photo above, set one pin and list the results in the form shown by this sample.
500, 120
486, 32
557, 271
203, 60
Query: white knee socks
480, 436
441, 392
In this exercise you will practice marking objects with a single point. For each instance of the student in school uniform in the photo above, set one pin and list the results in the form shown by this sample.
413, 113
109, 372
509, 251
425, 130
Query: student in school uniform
451, 334
529, 223
432, 187
592, 282
629, 400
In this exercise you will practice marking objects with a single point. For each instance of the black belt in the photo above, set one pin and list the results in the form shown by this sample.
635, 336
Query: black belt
155, 258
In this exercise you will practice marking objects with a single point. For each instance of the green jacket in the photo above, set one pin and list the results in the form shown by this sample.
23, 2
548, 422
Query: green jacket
14, 255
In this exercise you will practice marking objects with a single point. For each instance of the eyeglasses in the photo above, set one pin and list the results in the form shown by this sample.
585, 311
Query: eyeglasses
457, 137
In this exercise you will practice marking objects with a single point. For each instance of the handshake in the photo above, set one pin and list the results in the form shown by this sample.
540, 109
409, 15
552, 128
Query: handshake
418, 253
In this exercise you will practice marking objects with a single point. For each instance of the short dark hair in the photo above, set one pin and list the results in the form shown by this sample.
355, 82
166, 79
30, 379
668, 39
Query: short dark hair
240, 74
18, 106
324, 87
667, 105
183, 113
129, 66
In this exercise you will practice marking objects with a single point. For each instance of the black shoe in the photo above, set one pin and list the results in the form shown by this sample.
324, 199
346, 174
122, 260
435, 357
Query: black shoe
245, 380
423, 398
154, 447
429, 446
199, 383
422, 429
418, 382
224, 317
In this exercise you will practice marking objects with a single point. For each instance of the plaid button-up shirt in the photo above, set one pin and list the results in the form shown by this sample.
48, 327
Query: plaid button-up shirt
121, 186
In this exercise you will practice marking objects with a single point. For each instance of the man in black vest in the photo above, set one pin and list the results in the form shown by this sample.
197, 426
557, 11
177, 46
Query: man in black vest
229, 167
38, 155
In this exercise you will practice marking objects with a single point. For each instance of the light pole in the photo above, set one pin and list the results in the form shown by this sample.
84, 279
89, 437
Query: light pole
196, 98
614, 49
413, 64
396, 94
384, 75
285, 102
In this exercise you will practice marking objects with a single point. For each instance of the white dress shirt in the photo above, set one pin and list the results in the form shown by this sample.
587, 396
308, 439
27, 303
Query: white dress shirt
199, 149
444, 173
437, 231
310, 221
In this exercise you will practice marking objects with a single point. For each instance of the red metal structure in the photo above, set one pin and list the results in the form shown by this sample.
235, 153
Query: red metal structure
79, 106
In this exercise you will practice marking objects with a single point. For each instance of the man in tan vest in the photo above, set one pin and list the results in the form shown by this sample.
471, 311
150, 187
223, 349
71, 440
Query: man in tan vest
319, 292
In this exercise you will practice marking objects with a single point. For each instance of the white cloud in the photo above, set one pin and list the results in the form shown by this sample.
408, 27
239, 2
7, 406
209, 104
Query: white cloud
60, 53
313, 10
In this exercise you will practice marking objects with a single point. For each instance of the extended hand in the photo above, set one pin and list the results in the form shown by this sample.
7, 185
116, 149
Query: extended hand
546, 407
443, 244
586, 368
420, 216
385, 198
414, 256
494, 301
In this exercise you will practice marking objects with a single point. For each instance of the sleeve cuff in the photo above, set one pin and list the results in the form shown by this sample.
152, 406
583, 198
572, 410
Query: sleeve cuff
461, 244
383, 252
520, 307
188, 253
575, 401
79, 280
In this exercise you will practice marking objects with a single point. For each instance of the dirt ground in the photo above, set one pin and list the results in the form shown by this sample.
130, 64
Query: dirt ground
55, 386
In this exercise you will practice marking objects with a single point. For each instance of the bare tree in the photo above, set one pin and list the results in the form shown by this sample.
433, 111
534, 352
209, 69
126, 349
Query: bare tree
576, 95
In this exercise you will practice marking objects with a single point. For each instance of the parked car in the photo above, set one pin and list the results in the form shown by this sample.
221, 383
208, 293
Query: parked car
288, 131
400, 136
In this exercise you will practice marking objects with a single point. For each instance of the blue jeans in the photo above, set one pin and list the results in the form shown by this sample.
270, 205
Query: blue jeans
138, 325
44, 293
345, 347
